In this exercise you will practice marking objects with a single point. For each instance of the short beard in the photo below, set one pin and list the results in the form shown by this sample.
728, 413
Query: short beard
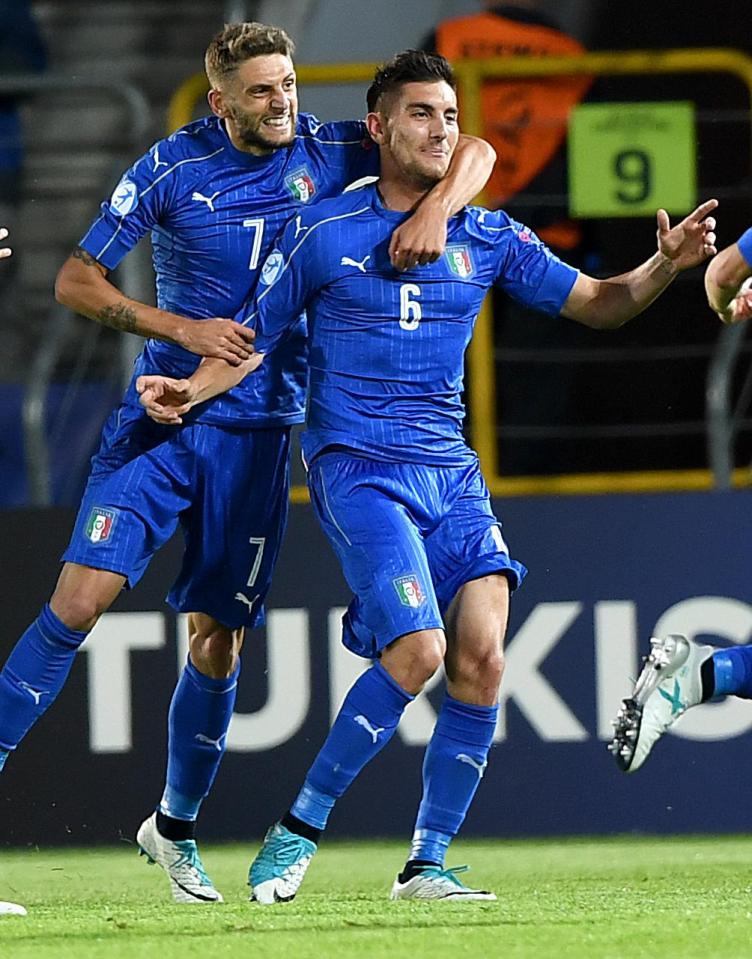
422, 180
252, 137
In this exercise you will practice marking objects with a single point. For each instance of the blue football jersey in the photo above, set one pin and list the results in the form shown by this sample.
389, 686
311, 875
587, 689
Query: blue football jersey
386, 349
214, 213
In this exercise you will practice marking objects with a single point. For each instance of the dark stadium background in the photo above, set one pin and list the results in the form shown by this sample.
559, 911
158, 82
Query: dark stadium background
633, 556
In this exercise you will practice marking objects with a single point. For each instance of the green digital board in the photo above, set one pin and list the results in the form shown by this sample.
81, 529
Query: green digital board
630, 159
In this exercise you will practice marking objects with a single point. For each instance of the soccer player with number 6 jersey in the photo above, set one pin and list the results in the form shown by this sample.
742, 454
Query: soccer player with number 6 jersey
213, 195
395, 487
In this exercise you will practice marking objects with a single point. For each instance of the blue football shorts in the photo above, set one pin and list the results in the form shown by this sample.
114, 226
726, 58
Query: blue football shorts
228, 489
408, 537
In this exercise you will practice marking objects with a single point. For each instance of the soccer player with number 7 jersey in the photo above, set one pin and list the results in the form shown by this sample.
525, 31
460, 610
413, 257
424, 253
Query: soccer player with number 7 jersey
394, 485
213, 195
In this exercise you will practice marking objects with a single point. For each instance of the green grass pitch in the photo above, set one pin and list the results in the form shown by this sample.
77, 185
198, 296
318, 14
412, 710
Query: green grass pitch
624, 898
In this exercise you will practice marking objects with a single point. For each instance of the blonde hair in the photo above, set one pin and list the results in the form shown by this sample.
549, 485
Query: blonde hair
239, 42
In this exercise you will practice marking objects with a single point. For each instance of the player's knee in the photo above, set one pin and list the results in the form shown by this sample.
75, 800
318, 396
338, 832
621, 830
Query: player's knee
481, 669
492, 667
214, 649
79, 609
414, 659
434, 651
83, 593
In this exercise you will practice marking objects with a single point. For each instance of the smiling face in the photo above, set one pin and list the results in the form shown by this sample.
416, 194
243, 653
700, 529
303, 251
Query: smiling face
259, 103
416, 130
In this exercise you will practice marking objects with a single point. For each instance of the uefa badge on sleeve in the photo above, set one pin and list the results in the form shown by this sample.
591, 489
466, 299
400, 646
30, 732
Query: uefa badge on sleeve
124, 197
99, 524
410, 591
272, 265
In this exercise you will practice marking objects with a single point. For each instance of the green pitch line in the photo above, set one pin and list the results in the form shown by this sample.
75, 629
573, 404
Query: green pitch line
585, 899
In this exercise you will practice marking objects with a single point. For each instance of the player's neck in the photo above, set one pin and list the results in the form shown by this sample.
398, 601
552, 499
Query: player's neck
400, 195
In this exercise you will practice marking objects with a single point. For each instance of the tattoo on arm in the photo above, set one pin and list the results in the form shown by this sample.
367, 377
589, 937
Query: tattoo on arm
84, 257
118, 316
668, 269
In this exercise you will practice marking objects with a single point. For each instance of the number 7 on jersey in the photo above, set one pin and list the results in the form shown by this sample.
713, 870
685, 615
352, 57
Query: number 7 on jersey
257, 225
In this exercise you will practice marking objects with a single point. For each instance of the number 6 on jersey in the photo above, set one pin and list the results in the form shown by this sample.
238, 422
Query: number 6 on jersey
410, 311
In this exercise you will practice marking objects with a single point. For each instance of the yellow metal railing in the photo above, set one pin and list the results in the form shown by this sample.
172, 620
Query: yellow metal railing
481, 390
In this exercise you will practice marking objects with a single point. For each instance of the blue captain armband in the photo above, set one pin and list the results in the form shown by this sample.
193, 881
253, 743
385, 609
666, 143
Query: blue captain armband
745, 245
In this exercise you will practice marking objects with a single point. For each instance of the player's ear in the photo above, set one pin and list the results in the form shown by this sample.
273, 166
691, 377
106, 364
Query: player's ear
216, 102
376, 124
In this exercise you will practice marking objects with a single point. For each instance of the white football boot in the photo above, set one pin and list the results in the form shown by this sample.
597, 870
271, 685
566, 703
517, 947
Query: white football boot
12, 909
436, 883
670, 683
181, 861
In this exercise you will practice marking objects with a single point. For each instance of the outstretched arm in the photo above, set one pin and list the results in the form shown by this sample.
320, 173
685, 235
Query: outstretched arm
422, 238
167, 400
608, 304
724, 278
82, 285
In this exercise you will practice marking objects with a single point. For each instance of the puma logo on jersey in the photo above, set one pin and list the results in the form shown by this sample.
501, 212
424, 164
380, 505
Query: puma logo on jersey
36, 694
373, 730
299, 228
480, 768
208, 200
347, 261
242, 598
157, 162
217, 743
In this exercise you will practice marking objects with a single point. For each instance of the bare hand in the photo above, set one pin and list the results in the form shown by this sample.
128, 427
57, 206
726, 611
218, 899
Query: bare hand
165, 400
740, 308
419, 240
690, 242
223, 339
6, 250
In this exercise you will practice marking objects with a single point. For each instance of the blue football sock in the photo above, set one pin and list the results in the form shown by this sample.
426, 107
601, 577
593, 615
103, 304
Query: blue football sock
733, 672
364, 725
34, 674
452, 769
200, 714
